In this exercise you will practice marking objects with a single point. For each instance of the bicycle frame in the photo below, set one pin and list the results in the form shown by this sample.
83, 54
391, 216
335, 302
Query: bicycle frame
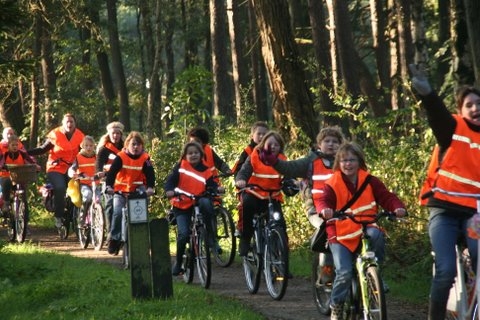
465, 307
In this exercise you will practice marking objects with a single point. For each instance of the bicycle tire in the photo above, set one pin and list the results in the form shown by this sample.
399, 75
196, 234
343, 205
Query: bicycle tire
276, 263
83, 233
376, 294
252, 265
188, 261
225, 235
97, 226
203, 259
21, 219
321, 288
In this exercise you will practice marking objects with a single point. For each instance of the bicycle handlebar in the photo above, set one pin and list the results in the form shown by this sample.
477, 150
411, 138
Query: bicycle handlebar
252, 186
373, 217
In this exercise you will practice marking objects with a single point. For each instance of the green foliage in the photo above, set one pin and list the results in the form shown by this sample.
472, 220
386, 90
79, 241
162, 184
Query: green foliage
190, 104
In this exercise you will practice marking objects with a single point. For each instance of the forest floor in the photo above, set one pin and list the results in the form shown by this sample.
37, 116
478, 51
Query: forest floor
296, 304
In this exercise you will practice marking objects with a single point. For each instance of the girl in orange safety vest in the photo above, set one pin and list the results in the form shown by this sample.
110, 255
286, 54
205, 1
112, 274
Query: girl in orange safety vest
349, 172
131, 171
191, 176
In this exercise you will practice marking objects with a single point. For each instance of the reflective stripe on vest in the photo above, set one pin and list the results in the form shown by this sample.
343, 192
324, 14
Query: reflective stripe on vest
266, 177
191, 182
458, 169
86, 165
320, 174
64, 151
130, 176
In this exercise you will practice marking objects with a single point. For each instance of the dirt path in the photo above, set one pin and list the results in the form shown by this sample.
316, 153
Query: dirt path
296, 304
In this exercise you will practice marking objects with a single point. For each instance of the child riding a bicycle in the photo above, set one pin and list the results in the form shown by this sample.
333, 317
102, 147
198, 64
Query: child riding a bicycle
255, 171
13, 156
190, 175
130, 171
350, 173
454, 168
83, 169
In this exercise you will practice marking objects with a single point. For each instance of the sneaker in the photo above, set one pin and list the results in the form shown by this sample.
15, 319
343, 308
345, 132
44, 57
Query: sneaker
177, 271
237, 233
113, 247
58, 222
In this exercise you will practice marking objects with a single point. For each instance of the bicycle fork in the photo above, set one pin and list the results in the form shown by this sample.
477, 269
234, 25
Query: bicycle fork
363, 261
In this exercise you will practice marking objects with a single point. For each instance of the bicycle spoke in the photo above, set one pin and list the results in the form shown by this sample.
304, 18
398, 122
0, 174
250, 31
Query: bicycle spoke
224, 231
276, 263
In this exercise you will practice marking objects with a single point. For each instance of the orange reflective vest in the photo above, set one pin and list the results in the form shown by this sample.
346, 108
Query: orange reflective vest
348, 232
62, 155
320, 174
266, 177
112, 155
431, 174
18, 161
248, 150
459, 167
131, 176
191, 182
86, 165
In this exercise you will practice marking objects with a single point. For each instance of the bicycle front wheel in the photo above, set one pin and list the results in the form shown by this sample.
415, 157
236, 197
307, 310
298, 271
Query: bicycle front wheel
97, 225
10, 224
252, 264
188, 262
83, 228
204, 263
322, 285
21, 218
224, 232
276, 263
376, 296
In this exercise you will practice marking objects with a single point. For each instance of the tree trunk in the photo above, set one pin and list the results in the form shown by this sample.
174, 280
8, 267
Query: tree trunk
117, 64
444, 55
292, 103
259, 95
380, 44
324, 74
405, 52
472, 10
333, 47
49, 78
222, 84
462, 69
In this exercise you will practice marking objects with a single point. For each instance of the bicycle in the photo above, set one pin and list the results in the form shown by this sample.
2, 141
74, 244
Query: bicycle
91, 229
138, 194
462, 302
323, 275
268, 250
197, 250
17, 218
69, 219
366, 299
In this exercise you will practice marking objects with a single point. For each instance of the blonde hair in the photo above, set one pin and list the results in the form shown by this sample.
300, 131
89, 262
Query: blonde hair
332, 131
85, 139
134, 135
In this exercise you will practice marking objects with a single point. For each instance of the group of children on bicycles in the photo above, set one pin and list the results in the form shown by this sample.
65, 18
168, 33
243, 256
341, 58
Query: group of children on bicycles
334, 171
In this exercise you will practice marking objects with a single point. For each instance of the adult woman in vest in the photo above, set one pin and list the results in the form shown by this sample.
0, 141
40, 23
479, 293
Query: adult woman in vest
192, 176
108, 146
344, 236
62, 145
458, 138
130, 171
254, 171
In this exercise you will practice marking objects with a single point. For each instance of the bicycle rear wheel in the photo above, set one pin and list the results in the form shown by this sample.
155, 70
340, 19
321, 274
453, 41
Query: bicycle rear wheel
21, 218
276, 263
321, 285
10, 224
224, 231
97, 225
204, 263
188, 262
376, 295
252, 264
351, 307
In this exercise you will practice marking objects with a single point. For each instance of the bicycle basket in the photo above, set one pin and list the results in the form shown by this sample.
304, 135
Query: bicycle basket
22, 174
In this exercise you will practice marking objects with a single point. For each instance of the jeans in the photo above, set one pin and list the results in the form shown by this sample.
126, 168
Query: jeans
343, 260
116, 223
444, 229
59, 182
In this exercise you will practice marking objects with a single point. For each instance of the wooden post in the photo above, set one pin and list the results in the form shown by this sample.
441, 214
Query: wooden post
139, 248
161, 264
